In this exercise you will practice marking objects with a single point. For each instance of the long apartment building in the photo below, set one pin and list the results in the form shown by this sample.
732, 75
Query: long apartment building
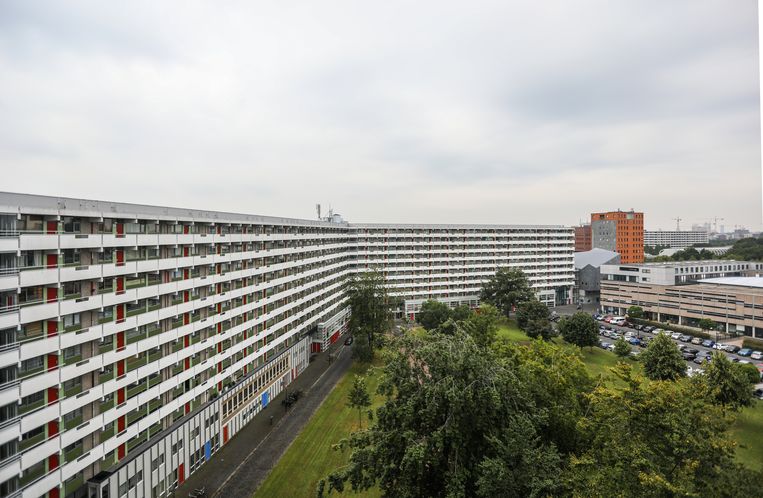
675, 238
136, 340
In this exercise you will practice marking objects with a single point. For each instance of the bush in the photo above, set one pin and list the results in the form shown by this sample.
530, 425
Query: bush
751, 343
674, 328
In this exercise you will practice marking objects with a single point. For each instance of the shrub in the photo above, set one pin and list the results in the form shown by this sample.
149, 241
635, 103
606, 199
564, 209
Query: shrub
752, 343
674, 328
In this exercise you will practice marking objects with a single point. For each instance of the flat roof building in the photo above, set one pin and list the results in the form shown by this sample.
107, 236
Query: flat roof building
136, 340
675, 238
728, 292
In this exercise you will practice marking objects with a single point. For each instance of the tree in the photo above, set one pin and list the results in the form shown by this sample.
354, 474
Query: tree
358, 397
370, 305
636, 312
579, 329
453, 414
433, 314
483, 325
654, 439
506, 289
725, 383
461, 313
622, 348
750, 371
706, 324
534, 319
662, 360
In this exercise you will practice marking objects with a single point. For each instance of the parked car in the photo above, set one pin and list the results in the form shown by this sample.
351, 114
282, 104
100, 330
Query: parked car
597, 317
691, 350
614, 335
719, 346
756, 355
732, 349
681, 347
675, 335
605, 345
744, 352
758, 393
639, 327
708, 343
699, 360
688, 356
611, 347
696, 340
628, 334
348, 341
635, 341
647, 328
685, 338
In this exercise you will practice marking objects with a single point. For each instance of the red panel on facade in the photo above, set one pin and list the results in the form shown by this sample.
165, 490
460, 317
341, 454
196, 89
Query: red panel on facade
52, 227
53, 462
188, 407
51, 294
52, 328
120, 312
120, 257
51, 260
225, 434
120, 229
52, 397
52, 428
54, 493
120, 340
334, 337
120, 368
120, 284
181, 473
121, 395
186, 229
186, 320
121, 451
187, 363
52, 361
121, 423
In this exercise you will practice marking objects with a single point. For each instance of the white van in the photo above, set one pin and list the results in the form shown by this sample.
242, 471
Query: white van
617, 320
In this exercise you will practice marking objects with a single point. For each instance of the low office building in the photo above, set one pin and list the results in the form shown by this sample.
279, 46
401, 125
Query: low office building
136, 340
728, 292
588, 273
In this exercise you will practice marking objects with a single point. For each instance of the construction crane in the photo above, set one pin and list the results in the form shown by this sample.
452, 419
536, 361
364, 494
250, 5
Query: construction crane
678, 224
715, 221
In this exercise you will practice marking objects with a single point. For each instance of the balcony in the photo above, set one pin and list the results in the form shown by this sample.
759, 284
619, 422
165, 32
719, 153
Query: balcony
71, 485
72, 422
73, 454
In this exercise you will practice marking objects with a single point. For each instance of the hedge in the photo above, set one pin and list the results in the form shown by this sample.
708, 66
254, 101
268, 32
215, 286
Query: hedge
672, 327
751, 343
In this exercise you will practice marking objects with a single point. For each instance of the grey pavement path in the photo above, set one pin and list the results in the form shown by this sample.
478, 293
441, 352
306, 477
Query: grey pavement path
240, 466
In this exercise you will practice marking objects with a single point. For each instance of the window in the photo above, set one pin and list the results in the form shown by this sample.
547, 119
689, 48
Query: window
71, 320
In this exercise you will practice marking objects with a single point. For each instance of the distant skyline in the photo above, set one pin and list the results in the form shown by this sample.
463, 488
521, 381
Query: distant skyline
429, 112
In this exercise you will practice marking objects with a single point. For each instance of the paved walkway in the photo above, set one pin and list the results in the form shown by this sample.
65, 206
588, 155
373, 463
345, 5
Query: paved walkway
240, 466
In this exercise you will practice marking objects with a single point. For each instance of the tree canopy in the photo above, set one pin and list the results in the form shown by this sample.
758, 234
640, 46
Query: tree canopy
506, 289
636, 312
433, 314
622, 348
579, 329
534, 319
370, 305
662, 360
358, 396
726, 383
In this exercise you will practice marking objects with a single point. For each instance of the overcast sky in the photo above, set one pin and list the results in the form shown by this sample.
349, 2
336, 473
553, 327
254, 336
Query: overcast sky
398, 111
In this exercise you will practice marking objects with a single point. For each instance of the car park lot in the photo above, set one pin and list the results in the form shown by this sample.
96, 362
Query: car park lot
696, 351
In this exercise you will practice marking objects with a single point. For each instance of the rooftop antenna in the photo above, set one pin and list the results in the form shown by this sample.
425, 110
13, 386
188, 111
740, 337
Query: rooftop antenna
318, 209
678, 224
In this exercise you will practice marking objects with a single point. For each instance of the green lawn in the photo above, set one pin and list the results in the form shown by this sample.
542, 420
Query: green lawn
748, 431
310, 457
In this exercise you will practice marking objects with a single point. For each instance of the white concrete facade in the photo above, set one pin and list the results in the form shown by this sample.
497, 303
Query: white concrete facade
675, 238
121, 324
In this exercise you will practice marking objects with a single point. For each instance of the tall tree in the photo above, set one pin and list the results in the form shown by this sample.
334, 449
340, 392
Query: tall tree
579, 329
433, 314
534, 319
506, 289
461, 313
358, 397
453, 414
706, 324
370, 305
662, 360
726, 383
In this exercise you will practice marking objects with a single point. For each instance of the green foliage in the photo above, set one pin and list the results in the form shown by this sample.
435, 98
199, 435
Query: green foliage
433, 314
622, 348
506, 289
750, 249
358, 396
370, 305
482, 326
752, 343
453, 414
635, 312
654, 439
750, 371
706, 324
654, 250
725, 383
672, 327
662, 360
461, 313
579, 329
534, 318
